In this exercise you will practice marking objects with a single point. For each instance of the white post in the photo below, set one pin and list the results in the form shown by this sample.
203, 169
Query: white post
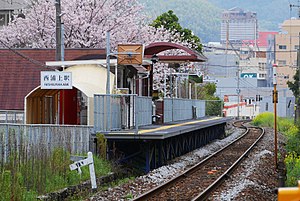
190, 90
80, 163
92, 171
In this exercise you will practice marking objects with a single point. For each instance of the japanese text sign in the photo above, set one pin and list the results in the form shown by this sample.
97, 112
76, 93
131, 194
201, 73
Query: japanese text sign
56, 80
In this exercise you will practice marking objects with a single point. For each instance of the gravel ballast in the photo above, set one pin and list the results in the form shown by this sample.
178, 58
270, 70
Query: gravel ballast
255, 179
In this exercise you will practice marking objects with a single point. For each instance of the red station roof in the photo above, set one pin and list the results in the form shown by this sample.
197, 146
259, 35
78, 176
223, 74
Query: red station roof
20, 75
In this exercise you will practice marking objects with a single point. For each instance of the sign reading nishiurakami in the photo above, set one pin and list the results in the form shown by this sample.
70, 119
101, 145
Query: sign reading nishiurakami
56, 80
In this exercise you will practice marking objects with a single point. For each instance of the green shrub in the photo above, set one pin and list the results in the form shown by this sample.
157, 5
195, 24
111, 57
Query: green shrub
284, 124
11, 188
292, 162
293, 140
264, 119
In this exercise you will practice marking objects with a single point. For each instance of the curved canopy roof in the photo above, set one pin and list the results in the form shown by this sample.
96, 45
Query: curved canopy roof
155, 48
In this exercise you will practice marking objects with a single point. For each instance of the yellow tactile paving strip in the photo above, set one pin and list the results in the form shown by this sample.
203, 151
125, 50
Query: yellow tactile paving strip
169, 126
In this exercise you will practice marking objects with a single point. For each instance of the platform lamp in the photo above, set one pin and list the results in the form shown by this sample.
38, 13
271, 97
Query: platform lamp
154, 59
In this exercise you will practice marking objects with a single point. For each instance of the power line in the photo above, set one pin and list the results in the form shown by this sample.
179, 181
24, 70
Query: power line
26, 57
235, 49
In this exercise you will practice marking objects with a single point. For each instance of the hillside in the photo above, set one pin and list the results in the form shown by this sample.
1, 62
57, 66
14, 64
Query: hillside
203, 16
270, 13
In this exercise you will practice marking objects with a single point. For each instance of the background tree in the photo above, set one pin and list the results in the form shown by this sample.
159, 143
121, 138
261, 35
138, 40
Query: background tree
169, 21
213, 103
294, 87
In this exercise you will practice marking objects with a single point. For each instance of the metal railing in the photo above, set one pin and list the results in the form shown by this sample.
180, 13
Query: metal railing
27, 140
183, 109
12, 116
121, 111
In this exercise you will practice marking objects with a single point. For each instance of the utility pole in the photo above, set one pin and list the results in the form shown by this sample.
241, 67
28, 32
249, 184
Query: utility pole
58, 30
108, 80
275, 100
238, 90
297, 113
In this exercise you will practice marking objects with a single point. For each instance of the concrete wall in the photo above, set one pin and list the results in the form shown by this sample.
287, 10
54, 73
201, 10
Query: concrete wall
285, 106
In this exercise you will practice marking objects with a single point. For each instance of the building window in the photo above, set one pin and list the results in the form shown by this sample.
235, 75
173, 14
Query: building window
296, 47
2, 19
262, 75
267, 107
282, 47
261, 65
281, 62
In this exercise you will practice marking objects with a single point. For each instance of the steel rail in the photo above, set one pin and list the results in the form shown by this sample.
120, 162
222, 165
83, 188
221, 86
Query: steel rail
204, 194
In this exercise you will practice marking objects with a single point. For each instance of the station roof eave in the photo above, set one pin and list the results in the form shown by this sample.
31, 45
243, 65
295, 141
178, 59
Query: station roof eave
157, 47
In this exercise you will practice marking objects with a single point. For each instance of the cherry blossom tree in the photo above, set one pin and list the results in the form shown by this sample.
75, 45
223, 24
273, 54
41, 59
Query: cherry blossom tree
85, 24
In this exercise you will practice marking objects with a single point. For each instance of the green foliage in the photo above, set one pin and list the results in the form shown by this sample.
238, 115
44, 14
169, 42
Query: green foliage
285, 125
294, 86
196, 79
203, 16
293, 140
169, 21
11, 188
24, 180
207, 91
291, 132
213, 108
129, 196
200, 16
264, 119
102, 143
292, 163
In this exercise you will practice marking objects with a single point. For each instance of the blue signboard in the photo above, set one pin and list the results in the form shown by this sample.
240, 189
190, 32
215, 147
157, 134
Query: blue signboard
248, 75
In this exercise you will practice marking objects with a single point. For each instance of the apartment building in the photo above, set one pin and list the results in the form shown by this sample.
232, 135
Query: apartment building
286, 46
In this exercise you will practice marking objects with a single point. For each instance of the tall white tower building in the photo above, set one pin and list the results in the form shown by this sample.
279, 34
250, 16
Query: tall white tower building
238, 25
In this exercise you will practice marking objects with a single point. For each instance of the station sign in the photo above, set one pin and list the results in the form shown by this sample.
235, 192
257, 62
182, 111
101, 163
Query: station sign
248, 75
56, 80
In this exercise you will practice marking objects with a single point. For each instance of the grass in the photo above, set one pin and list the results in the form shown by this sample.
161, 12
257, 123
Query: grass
21, 180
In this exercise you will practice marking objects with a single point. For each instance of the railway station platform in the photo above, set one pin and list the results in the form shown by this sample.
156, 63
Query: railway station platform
150, 147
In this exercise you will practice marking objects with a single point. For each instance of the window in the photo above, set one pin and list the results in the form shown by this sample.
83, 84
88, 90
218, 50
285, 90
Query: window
267, 107
262, 75
261, 66
281, 62
282, 47
296, 47
2, 19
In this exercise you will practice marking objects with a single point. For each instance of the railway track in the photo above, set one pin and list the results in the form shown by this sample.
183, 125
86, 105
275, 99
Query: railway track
198, 182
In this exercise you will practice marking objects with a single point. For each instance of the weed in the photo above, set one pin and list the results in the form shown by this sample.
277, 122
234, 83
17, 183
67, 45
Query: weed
291, 132
40, 174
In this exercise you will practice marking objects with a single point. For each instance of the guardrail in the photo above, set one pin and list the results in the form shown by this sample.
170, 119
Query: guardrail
12, 116
183, 109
